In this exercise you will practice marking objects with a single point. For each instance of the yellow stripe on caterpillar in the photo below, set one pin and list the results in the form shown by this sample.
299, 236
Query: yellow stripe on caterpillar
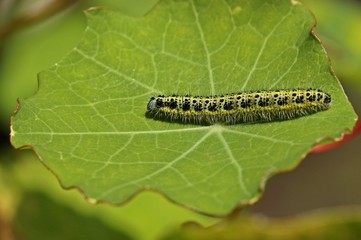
242, 107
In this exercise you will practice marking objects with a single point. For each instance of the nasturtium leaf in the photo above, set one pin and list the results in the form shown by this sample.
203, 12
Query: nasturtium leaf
87, 121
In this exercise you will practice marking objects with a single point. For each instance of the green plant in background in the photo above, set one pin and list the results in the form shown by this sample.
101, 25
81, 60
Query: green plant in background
87, 125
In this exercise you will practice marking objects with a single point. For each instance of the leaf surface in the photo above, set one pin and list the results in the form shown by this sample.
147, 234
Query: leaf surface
87, 121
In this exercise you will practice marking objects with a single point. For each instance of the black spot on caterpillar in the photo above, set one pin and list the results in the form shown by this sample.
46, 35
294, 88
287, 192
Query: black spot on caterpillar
242, 107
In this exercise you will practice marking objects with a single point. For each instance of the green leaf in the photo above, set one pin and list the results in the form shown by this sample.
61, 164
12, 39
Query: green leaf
87, 121
147, 216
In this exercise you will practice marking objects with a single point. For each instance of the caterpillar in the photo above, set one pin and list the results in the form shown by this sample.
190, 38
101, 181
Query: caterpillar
242, 107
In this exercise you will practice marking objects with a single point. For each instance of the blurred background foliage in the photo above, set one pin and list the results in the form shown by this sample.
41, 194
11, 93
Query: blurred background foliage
34, 34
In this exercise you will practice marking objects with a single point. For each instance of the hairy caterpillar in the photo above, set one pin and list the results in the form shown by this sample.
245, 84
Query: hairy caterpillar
242, 107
